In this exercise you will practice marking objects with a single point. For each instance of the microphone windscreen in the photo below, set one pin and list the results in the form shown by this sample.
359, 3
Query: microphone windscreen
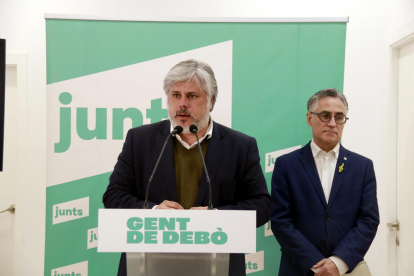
193, 128
178, 129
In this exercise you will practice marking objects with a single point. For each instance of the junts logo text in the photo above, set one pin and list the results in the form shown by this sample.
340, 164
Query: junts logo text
170, 231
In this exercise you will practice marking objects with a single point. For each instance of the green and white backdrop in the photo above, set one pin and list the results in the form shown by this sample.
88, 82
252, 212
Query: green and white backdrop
105, 76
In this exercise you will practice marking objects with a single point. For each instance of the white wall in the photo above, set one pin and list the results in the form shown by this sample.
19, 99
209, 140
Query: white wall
366, 83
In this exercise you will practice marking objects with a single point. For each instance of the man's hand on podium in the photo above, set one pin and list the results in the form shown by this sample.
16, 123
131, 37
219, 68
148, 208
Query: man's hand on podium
166, 204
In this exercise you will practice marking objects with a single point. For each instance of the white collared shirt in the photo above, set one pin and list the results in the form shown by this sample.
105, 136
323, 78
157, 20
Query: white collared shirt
207, 135
325, 164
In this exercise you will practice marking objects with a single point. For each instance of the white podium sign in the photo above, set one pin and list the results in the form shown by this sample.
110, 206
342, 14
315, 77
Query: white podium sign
198, 231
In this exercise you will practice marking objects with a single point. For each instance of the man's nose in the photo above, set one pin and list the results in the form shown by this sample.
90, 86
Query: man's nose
332, 122
183, 102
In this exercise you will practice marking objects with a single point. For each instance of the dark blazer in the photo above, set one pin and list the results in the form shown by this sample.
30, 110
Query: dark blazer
232, 161
306, 227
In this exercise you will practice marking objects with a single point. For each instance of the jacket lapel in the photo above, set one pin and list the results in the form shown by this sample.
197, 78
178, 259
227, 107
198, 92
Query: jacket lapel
341, 168
213, 159
167, 162
309, 163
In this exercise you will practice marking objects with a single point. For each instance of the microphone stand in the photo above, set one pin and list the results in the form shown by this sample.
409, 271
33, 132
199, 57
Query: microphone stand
177, 130
194, 129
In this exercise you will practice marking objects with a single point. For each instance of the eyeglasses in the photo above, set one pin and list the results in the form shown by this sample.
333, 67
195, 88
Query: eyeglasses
327, 116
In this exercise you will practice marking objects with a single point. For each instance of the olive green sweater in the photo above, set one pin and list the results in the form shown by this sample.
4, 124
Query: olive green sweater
188, 172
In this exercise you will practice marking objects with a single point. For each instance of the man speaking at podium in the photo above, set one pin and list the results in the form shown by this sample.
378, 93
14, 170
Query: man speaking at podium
232, 158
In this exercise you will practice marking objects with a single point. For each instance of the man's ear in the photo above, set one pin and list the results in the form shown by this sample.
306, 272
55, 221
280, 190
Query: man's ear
211, 103
308, 118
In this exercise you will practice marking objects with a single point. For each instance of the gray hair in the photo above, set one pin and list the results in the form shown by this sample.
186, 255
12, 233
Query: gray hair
330, 92
193, 70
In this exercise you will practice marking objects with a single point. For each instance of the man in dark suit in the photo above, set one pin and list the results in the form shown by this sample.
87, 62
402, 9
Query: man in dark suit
324, 206
231, 157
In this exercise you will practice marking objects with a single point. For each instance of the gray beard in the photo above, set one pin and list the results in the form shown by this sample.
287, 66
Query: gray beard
201, 124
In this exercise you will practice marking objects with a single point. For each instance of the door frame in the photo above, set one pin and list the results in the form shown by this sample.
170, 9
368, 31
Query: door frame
396, 39
20, 61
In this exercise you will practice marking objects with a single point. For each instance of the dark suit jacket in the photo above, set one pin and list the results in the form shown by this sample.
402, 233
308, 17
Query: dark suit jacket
232, 161
306, 227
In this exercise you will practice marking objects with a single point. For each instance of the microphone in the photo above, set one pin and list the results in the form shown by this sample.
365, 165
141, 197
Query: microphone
176, 130
193, 129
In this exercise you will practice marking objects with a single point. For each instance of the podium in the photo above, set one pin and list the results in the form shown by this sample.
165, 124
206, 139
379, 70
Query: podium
178, 264
176, 242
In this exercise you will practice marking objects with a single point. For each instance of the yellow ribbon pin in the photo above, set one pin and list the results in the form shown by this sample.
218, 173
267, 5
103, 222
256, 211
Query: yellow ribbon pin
341, 168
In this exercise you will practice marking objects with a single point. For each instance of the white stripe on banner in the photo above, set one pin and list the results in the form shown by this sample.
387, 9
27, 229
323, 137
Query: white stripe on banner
133, 86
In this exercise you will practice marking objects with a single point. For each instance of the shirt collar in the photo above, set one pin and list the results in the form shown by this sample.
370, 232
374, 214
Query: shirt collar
209, 131
316, 150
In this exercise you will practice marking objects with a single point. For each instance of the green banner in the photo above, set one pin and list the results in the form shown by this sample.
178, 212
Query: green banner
105, 77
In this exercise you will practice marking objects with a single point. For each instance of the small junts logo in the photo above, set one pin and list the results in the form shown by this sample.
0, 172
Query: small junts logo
270, 157
70, 210
268, 229
78, 269
254, 262
170, 231
92, 238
